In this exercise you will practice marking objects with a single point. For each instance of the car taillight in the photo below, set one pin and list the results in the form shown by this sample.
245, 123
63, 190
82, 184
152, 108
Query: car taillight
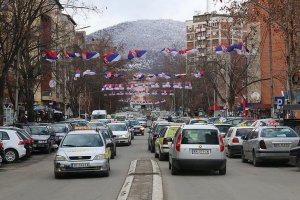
222, 146
1, 145
177, 144
27, 141
165, 141
21, 142
262, 144
31, 141
235, 140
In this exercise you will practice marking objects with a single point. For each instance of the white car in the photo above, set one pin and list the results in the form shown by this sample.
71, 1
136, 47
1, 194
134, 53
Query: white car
197, 147
82, 151
121, 132
13, 145
233, 140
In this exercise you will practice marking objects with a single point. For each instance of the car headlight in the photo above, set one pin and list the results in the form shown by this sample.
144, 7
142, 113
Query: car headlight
99, 157
60, 158
142, 128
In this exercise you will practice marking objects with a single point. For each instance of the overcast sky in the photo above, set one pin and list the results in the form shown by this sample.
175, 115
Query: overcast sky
118, 11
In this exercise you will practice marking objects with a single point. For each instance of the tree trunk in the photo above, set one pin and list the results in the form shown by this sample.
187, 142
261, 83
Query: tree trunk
30, 99
2, 80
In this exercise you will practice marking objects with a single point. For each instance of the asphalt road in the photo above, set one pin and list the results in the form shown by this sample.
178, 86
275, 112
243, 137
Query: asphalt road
34, 180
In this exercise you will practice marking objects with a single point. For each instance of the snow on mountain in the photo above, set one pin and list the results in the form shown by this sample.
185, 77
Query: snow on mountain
150, 35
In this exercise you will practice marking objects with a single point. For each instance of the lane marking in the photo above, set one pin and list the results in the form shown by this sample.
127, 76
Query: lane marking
157, 187
132, 167
126, 188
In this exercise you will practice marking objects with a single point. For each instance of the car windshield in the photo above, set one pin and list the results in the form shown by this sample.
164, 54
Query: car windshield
82, 140
159, 127
118, 127
59, 128
99, 116
223, 128
199, 136
95, 124
278, 133
243, 131
38, 130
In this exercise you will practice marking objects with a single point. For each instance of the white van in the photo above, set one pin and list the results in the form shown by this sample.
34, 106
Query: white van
99, 114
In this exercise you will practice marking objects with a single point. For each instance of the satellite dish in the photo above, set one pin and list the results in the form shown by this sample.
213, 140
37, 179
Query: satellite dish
255, 96
52, 83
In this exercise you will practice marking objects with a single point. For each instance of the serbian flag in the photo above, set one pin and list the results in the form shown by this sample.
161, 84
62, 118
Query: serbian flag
180, 75
169, 51
77, 74
111, 57
182, 52
138, 77
198, 73
191, 51
89, 72
241, 49
51, 56
188, 85
70, 54
219, 49
87, 55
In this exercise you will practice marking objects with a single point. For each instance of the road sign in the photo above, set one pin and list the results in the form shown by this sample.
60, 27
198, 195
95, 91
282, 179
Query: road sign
278, 102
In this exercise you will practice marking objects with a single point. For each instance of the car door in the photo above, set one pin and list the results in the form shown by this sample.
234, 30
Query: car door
252, 142
227, 137
160, 138
52, 135
246, 143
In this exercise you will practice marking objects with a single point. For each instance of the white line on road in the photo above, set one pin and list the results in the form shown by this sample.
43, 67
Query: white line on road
126, 188
132, 167
157, 189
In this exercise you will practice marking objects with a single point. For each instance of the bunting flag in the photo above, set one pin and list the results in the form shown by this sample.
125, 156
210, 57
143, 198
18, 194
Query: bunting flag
169, 51
166, 85
164, 75
87, 55
111, 57
70, 54
198, 73
150, 76
180, 75
220, 49
89, 72
52, 56
241, 49
136, 54
188, 85
109, 75
190, 51
154, 85
178, 85
77, 74
138, 77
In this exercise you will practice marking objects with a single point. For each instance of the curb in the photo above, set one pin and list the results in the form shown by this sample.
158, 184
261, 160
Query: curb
157, 188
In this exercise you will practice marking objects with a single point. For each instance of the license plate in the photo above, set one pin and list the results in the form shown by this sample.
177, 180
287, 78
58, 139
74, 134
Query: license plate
80, 165
281, 145
200, 151
34, 145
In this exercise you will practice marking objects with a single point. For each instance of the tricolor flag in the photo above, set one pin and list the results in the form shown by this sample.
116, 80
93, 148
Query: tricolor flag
241, 49
180, 75
109, 75
177, 85
198, 73
51, 56
164, 75
169, 51
77, 74
166, 85
188, 85
89, 72
138, 76
87, 55
191, 51
70, 54
111, 57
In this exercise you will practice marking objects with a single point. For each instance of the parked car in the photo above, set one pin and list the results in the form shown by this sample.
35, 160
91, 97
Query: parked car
2, 154
121, 132
28, 141
163, 142
269, 143
154, 133
197, 147
61, 130
82, 151
223, 128
110, 138
14, 145
295, 155
43, 137
265, 122
233, 140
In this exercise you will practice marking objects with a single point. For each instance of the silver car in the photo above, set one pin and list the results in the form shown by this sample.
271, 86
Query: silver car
197, 147
82, 151
268, 143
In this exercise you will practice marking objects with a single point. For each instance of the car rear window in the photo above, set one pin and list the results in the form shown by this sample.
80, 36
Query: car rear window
243, 131
199, 136
171, 132
278, 133
223, 128
118, 127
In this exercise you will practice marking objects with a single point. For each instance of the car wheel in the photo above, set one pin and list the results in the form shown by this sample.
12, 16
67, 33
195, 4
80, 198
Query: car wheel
152, 149
156, 155
299, 163
115, 152
105, 174
230, 155
255, 162
169, 165
58, 175
11, 155
222, 171
174, 170
244, 160
112, 154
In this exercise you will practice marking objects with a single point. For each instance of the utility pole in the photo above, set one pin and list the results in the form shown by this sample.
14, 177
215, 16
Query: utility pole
271, 60
17, 88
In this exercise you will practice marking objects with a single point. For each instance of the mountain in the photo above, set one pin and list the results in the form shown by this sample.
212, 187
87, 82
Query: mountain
150, 35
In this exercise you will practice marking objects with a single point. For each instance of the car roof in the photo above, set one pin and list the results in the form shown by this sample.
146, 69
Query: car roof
91, 131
